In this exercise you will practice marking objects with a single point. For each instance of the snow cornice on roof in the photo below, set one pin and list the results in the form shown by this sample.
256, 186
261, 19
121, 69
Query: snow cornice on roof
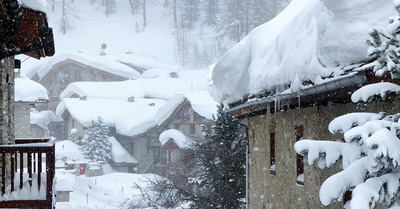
334, 90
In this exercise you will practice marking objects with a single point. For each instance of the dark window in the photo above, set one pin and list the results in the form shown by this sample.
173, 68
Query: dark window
272, 150
299, 130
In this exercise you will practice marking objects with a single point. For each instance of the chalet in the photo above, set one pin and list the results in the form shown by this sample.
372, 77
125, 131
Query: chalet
23, 30
58, 72
287, 80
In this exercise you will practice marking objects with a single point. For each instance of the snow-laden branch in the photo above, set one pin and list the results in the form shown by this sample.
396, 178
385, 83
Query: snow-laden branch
360, 134
383, 151
368, 92
327, 152
345, 122
375, 190
336, 186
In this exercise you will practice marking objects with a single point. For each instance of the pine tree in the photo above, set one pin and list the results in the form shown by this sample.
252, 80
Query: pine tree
96, 146
68, 15
110, 7
211, 9
221, 157
73, 136
385, 47
191, 13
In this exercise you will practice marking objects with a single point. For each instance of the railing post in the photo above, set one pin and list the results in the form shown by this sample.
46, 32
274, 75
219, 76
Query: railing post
50, 166
39, 173
30, 168
21, 170
12, 156
3, 174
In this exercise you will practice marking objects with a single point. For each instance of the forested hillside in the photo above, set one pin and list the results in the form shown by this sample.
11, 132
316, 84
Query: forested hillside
191, 33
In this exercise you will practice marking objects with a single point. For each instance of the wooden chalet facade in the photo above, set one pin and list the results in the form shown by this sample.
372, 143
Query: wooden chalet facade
22, 30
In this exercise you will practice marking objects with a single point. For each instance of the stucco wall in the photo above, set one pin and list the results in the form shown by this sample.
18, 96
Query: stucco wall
22, 120
281, 191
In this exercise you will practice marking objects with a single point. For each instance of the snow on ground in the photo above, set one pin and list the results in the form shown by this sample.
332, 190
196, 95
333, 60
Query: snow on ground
309, 39
108, 191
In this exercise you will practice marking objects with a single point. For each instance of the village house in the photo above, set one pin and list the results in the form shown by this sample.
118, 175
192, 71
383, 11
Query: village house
23, 31
138, 111
61, 70
287, 80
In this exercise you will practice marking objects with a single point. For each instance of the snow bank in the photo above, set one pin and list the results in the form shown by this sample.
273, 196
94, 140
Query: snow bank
27, 90
179, 138
308, 39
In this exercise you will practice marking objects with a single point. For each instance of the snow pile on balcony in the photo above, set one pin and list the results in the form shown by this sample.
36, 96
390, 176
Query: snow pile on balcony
179, 138
309, 39
27, 90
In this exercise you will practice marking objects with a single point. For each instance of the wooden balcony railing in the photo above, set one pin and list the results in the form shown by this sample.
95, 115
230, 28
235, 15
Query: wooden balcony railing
27, 181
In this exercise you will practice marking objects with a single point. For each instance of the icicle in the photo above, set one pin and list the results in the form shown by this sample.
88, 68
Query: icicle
268, 110
299, 100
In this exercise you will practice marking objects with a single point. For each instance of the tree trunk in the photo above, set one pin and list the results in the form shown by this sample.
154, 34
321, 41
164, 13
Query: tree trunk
144, 14
63, 23
175, 16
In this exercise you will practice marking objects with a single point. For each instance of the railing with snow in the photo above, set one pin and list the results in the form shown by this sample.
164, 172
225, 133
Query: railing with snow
27, 181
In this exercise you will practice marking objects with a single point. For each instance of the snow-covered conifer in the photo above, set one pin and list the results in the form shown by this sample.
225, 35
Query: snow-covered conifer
73, 136
96, 146
221, 157
110, 7
385, 47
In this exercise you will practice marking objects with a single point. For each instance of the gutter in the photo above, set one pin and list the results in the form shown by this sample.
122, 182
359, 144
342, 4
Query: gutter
357, 79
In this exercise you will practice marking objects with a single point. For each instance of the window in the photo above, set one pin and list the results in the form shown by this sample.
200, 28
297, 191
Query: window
272, 150
299, 130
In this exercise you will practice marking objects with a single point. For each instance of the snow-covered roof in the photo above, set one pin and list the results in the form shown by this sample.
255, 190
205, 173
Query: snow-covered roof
119, 153
39, 5
201, 102
309, 39
128, 118
69, 150
44, 66
42, 118
179, 138
156, 95
27, 90
157, 85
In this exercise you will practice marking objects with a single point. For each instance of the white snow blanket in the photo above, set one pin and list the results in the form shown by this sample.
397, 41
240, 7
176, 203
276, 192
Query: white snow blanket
308, 39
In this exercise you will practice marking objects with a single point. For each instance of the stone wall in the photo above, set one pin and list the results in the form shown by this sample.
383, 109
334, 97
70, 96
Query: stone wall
280, 190
7, 134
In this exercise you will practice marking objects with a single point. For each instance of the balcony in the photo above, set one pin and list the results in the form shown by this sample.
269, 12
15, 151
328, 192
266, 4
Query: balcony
27, 179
